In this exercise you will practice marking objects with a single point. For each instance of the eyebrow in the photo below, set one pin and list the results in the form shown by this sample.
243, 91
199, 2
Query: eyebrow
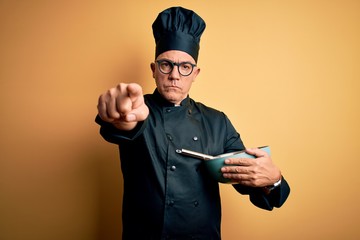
162, 59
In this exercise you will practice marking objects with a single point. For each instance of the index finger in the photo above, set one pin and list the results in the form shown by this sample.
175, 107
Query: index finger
134, 90
135, 93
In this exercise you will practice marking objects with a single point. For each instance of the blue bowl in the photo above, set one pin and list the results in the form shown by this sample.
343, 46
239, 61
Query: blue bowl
214, 165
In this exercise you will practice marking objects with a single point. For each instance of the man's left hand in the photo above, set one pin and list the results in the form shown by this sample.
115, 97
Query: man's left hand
258, 172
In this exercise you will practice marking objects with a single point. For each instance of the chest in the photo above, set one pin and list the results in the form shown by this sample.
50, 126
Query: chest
184, 128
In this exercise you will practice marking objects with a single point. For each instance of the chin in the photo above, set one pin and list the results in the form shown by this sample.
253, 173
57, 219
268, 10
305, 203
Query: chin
174, 98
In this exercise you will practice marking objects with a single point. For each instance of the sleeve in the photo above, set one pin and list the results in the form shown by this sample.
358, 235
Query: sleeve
233, 140
267, 201
114, 135
258, 196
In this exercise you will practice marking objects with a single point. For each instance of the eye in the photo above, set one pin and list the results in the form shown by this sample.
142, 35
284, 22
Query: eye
185, 66
165, 64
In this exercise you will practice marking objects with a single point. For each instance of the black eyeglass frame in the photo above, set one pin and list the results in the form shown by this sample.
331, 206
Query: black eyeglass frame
175, 64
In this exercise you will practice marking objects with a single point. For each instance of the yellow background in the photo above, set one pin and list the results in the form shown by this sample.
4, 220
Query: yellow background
285, 72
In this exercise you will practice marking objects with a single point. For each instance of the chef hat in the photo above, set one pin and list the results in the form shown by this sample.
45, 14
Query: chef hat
178, 28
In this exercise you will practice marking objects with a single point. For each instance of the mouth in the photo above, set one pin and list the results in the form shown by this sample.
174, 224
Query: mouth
172, 87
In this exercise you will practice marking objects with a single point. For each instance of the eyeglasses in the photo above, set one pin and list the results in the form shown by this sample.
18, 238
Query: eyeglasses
184, 68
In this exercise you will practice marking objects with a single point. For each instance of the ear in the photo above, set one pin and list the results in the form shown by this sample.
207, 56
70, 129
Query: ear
196, 72
152, 66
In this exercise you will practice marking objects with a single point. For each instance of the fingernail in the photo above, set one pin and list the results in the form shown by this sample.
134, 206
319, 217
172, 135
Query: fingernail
130, 117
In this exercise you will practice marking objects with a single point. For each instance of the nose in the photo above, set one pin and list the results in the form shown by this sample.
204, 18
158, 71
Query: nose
174, 74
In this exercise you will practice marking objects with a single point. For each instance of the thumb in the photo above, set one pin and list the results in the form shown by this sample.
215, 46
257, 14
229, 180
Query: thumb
138, 114
256, 152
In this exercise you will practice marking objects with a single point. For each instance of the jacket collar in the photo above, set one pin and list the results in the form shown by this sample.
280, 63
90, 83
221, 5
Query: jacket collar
164, 103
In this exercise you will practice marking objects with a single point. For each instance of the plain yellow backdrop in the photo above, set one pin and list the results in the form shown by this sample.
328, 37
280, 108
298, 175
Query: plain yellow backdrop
286, 73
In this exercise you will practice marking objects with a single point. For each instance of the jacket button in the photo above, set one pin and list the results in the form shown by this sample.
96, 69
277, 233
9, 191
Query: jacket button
195, 138
173, 168
196, 203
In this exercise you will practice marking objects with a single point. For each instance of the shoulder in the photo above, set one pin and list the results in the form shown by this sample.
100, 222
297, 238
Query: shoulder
147, 96
206, 109
207, 113
149, 99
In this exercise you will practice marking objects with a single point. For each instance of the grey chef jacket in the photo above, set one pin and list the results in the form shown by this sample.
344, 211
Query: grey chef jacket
170, 196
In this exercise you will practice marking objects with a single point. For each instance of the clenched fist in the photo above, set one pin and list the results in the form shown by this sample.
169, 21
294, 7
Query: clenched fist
123, 106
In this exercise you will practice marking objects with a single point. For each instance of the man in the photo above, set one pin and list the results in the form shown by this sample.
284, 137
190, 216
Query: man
168, 195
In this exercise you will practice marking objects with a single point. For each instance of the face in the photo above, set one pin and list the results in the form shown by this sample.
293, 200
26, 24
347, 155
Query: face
173, 86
